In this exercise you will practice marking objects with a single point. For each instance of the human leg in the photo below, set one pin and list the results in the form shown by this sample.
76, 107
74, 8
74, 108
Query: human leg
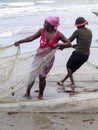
42, 84
27, 93
70, 69
68, 65
70, 73
30, 84
75, 61
63, 80
42, 77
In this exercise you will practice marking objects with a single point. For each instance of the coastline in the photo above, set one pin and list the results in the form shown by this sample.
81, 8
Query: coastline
60, 109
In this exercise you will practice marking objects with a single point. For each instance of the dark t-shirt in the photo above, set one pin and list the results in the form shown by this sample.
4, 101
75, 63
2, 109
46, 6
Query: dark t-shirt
83, 38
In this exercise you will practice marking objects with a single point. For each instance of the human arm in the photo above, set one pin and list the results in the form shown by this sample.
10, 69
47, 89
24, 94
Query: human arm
74, 45
65, 42
30, 38
73, 37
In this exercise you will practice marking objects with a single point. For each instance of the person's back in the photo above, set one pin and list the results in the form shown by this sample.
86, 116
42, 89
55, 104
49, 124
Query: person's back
83, 36
81, 53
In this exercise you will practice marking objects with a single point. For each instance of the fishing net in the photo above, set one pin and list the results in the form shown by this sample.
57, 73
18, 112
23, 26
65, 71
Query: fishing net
17, 70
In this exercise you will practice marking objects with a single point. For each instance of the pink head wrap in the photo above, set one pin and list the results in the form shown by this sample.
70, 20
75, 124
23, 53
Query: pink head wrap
53, 20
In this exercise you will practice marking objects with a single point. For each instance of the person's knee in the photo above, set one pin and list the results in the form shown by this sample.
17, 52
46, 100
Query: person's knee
42, 78
69, 71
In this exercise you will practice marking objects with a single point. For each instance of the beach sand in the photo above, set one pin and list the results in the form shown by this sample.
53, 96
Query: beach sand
48, 121
23, 120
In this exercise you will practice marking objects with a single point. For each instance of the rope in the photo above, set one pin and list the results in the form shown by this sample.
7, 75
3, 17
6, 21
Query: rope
17, 53
6, 47
94, 46
92, 65
16, 56
5, 64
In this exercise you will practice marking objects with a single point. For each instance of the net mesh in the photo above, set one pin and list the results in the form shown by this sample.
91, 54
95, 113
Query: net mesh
17, 70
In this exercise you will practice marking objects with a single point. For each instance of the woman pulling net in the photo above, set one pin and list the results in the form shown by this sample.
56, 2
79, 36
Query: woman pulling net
49, 38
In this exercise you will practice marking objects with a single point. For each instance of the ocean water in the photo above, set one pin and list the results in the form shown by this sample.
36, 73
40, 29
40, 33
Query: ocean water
22, 18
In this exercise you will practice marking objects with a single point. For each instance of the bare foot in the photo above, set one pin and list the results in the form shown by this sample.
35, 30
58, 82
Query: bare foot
27, 96
60, 83
40, 97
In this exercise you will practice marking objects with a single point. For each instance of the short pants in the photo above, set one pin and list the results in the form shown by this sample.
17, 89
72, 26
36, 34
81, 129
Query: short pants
76, 60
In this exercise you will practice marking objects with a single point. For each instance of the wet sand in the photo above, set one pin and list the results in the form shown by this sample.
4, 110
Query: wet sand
21, 120
48, 121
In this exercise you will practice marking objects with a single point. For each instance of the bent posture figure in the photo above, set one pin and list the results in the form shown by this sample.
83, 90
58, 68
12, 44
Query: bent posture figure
49, 37
81, 54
